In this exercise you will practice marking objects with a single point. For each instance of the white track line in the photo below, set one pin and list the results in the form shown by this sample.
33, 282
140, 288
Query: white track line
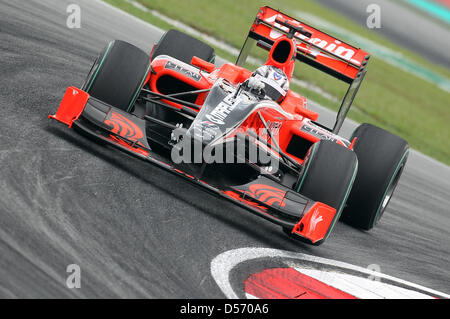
222, 265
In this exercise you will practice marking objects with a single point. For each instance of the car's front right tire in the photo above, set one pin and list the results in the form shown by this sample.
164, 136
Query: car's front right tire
327, 175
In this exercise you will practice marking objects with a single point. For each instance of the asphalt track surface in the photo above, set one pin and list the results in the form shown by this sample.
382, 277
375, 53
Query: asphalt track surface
403, 25
135, 230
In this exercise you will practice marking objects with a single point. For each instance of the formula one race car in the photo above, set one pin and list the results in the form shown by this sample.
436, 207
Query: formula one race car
241, 135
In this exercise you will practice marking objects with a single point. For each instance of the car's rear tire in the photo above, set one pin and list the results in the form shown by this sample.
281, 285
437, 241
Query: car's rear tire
328, 174
118, 74
183, 47
382, 157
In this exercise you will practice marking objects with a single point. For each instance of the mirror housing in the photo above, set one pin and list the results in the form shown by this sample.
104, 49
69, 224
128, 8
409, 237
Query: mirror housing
202, 64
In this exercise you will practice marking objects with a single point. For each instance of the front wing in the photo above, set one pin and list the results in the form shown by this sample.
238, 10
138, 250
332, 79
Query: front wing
302, 218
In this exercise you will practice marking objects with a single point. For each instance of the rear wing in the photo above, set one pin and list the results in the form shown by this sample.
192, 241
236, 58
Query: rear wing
315, 48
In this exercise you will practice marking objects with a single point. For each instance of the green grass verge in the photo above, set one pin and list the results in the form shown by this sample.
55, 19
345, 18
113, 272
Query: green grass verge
390, 98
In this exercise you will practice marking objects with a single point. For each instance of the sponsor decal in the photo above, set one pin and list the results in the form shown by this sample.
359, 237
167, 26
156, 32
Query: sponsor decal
222, 110
316, 132
274, 128
206, 130
193, 75
337, 48
276, 76
267, 194
315, 219
124, 127
238, 196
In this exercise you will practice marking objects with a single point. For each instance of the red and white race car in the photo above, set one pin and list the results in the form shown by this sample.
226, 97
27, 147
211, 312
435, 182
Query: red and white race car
244, 135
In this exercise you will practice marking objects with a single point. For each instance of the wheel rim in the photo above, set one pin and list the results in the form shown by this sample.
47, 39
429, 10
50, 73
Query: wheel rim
390, 190
391, 187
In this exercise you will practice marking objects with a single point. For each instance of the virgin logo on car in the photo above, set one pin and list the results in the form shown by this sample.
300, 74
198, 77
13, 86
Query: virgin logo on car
340, 50
316, 218
274, 128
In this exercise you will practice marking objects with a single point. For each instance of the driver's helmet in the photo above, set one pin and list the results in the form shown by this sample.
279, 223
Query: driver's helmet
276, 82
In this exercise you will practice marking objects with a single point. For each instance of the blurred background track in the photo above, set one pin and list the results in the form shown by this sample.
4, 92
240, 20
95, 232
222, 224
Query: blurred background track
402, 24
